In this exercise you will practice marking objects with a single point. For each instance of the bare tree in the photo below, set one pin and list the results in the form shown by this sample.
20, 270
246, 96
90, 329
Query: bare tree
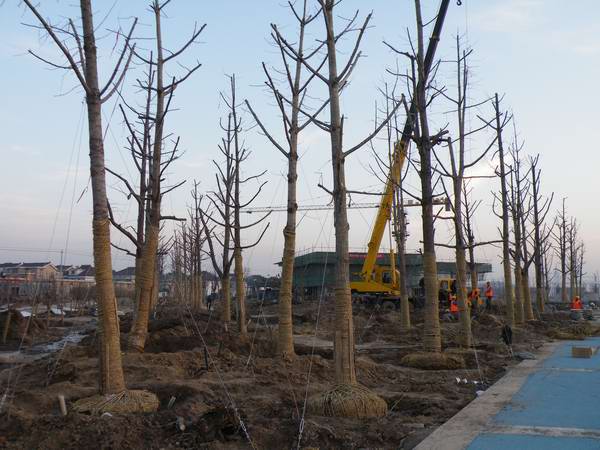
573, 243
547, 264
219, 229
292, 107
469, 212
348, 397
163, 97
198, 249
85, 67
541, 207
456, 170
501, 120
561, 240
240, 154
580, 265
139, 146
519, 189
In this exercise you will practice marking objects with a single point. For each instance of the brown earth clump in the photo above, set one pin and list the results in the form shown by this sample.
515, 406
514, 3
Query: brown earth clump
348, 400
216, 390
434, 361
126, 402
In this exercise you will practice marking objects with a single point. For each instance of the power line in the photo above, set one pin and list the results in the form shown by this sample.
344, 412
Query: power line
410, 203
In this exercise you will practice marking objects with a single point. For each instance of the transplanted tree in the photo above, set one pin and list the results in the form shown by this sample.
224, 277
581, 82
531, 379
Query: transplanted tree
347, 398
225, 226
164, 91
456, 170
560, 235
498, 125
292, 108
519, 189
573, 255
470, 208
113, 394
240, 155
418, 129
219, 230
541, 232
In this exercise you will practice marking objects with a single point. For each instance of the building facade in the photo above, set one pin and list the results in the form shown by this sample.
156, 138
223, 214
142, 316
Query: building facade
315, 271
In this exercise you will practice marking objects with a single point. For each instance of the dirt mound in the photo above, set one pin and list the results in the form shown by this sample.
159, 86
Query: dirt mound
219, 390
20, 327
434, 361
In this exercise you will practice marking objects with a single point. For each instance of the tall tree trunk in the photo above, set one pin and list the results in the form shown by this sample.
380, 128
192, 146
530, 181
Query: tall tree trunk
473, 270
225, 300
432, 338
139, 329
343, 343
519, 313
537, 246
508, 291
527, 306
401, 254
461, 264
112, 379
240, 293
286, 339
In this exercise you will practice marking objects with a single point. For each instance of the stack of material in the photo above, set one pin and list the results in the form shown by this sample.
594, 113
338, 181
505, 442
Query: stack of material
583, 352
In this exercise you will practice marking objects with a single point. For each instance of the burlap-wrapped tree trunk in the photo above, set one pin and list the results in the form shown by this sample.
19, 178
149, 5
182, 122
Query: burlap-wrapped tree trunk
111, 369
240, 291
139, 330
519, 313
461, 283
285, 341
432, 340
401, 248
347, 398
225, 300
527, 306
508, 289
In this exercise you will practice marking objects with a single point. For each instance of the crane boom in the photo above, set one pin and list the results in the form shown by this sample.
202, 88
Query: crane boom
399, 155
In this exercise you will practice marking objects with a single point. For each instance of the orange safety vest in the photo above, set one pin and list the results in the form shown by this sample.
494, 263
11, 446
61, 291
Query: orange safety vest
453, 306
489, 292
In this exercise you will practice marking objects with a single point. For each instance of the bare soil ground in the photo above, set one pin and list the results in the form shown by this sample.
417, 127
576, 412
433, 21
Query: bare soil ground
232, 393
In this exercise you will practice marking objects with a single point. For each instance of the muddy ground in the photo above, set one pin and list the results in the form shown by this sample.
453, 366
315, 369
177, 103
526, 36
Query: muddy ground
225, 392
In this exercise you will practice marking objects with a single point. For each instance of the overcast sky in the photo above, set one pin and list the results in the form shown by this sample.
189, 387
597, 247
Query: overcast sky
541, 55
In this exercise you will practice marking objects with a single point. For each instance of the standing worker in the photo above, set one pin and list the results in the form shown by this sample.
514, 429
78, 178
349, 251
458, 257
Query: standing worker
454, 308
489, 295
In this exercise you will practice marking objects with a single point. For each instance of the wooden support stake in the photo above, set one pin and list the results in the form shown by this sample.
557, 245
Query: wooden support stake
62, 404
6, 326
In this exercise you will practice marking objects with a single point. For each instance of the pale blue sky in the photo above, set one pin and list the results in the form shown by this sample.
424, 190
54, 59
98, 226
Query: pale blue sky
543, 55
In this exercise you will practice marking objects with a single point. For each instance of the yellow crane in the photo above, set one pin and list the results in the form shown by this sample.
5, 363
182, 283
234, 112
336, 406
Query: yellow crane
376, 279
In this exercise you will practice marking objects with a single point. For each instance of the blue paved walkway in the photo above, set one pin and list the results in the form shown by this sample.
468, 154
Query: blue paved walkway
558, 407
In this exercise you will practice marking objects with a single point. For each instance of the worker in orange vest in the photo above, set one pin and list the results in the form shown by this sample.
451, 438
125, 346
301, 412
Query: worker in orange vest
489, 295
576, 303
454, 307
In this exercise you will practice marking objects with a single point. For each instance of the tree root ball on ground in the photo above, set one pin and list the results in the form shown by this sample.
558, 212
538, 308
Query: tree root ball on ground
565, 335
130, 401
348, 400
433, 361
